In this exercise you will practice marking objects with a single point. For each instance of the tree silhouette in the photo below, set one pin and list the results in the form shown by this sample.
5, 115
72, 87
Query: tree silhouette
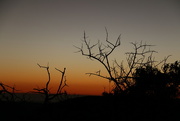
45, 91
121, 76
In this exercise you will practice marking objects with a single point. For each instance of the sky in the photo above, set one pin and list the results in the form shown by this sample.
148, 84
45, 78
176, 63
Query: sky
46, 31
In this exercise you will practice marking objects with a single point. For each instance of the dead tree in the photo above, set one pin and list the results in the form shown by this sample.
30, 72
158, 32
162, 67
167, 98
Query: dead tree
121, 76
102, 56
45, 91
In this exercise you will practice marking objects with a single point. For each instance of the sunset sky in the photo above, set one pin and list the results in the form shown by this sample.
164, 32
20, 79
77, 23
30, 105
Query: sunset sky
45, 31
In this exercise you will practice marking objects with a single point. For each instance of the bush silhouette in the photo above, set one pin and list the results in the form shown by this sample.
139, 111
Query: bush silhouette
172, 75
150, 81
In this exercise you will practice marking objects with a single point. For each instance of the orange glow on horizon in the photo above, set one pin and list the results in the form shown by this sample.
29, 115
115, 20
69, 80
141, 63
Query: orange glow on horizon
25, 79
78, 89
80, 85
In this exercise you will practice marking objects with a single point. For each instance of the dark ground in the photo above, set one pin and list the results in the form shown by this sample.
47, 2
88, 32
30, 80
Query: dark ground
93, 108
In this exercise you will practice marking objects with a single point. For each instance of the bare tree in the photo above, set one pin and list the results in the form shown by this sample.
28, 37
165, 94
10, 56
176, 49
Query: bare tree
102, 56
45, 91
121, 76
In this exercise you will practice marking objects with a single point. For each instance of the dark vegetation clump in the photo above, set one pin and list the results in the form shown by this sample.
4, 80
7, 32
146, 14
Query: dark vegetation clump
155, 83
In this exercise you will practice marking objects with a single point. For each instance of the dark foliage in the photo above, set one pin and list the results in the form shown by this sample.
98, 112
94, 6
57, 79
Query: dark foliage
172, 76
150, 81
